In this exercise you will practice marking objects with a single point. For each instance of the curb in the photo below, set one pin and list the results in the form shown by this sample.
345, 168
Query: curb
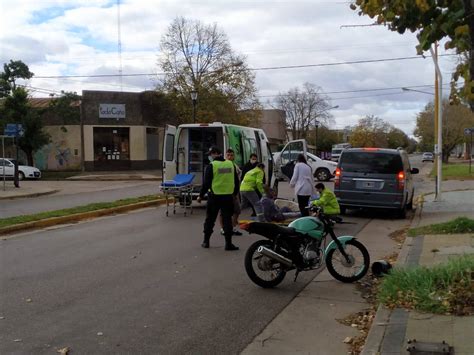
383, 326
115, 178
35, 194
48, 222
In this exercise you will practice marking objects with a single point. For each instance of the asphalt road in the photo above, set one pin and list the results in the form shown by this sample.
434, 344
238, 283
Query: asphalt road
142, 281
77, 193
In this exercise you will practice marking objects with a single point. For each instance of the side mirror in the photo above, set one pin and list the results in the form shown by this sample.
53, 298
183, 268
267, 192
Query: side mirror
415, 171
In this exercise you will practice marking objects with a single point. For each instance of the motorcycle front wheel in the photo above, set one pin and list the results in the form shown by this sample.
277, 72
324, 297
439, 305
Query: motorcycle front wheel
355, 269
262, 270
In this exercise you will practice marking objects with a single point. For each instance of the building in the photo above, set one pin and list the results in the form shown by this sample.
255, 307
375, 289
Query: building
273, 122
114, 131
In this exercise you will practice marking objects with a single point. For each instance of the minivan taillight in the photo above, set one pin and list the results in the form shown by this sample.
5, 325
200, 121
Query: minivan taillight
337, 177
401, 180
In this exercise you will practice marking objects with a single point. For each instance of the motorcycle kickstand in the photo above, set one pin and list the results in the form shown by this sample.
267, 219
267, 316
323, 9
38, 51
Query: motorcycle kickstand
296, 275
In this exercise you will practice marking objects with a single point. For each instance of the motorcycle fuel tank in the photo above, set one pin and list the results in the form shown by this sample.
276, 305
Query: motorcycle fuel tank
309, 225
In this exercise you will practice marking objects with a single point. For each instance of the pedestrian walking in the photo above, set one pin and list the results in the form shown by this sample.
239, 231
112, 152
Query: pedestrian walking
220, 183
230, 155
251, 184
302, 182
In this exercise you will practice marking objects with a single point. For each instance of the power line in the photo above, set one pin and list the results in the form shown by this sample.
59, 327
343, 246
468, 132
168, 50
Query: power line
251, 69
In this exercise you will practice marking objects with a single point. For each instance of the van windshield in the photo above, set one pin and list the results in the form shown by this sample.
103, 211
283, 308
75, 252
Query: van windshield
336, 151
371, 162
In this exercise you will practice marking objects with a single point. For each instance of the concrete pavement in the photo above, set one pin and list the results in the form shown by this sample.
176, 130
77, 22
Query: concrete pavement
295, 330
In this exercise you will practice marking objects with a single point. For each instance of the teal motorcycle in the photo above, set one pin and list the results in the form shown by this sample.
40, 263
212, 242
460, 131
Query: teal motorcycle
302, 247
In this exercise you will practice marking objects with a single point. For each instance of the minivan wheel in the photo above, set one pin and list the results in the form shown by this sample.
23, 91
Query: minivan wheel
322, 174
343, 209
402, 213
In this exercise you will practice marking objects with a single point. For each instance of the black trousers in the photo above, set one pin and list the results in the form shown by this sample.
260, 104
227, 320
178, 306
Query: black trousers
302, 204
224, 204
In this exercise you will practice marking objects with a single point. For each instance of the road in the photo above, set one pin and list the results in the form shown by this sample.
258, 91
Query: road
77, 193
142, 280
138, 282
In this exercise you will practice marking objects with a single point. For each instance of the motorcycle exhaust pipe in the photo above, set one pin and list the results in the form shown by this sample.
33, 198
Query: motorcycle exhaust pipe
275, 256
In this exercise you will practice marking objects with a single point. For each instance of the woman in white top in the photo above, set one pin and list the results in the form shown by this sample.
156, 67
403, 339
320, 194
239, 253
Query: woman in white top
302, 181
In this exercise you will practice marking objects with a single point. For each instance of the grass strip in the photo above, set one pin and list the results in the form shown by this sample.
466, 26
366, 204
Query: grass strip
5, 222
444, 288
456, 172
459, 225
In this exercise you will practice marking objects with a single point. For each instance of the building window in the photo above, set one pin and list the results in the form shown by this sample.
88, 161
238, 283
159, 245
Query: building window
111, 143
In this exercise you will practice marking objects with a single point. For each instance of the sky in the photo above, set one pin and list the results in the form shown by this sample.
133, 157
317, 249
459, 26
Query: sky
80, 38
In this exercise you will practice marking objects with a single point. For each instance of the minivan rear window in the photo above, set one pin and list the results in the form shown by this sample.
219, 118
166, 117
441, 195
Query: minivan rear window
371, 162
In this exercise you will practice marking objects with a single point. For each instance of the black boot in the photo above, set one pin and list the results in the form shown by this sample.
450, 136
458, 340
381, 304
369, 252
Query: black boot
205, 243
228, 243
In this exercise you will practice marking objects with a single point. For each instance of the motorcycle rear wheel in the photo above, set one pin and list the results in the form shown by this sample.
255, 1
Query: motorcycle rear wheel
261, 269
335, 260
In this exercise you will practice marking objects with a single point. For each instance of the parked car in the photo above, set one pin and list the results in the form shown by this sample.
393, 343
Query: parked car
427, 156
24, 171
323, 170
376, 178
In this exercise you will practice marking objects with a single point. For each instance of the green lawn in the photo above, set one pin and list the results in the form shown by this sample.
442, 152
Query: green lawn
445, 288
4, 222
458, 225
456, 172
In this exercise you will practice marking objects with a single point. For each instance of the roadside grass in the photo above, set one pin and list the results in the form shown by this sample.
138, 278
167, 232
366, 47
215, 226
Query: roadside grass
58, 175
456, 226
5, 222
442, 289
456, 172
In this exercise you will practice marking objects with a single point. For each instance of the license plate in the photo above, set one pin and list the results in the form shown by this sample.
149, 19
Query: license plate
369, 184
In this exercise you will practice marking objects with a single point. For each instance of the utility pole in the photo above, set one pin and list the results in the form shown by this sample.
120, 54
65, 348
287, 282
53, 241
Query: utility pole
435, 135
439, 109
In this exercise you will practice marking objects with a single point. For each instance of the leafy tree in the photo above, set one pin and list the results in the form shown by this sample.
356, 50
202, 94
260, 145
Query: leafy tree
326, 138
199, 57
455, 119
11, 73
61, 107
432, 20
303, 108
15, 108
371, 131
397, 138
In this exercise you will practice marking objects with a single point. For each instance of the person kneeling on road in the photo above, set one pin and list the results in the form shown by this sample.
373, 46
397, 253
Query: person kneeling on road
253, 182
221, 183
272, 212
327, 200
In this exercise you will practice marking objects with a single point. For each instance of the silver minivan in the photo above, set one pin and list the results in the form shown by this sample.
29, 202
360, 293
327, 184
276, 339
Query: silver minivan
375, 178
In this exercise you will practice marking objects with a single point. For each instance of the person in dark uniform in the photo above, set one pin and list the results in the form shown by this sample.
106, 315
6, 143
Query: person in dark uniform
221, 183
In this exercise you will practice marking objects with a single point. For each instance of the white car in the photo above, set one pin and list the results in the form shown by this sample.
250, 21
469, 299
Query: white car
7, 167
323, 170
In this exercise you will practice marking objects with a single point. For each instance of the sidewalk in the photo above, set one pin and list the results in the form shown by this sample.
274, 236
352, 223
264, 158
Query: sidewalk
295, 330
79, 183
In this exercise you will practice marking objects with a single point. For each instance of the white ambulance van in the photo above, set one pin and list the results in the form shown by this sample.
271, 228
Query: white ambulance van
186, 147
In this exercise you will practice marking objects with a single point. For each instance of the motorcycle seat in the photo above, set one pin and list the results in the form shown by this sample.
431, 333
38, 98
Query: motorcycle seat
272, 230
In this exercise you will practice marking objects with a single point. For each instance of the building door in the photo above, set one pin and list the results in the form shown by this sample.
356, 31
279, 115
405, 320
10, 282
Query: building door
111, 148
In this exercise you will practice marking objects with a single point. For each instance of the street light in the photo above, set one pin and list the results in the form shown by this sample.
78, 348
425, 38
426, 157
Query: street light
423, 92
316, 125
194, 96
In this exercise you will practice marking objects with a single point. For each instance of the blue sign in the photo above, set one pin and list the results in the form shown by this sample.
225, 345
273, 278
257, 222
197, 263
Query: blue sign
14, 130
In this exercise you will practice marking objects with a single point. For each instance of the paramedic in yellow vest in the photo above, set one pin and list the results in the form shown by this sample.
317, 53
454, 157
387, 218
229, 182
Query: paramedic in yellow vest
251, 185
220, 183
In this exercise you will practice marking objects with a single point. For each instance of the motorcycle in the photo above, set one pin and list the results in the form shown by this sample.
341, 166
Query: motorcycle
302, 247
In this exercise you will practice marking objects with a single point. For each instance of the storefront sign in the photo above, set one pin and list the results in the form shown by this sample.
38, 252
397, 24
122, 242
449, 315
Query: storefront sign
112, 111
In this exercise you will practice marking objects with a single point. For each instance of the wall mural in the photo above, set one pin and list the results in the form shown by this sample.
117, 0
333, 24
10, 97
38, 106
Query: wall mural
57, 156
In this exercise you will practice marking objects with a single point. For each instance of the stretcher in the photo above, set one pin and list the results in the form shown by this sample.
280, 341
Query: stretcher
181, 189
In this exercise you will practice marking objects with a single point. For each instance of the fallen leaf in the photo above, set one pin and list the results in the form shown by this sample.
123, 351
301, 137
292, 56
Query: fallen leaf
100, 334
17, 340
63, 351
29, 300
348, 340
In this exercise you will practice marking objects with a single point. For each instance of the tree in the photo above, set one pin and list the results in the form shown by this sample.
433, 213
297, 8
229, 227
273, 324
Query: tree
61, 107
432, 20
397, 138
199, 57
15, 108
327, 138
303, 108
455, 119
371, 131
11, 73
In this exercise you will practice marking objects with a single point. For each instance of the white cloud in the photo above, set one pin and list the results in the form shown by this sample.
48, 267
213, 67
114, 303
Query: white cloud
73, 37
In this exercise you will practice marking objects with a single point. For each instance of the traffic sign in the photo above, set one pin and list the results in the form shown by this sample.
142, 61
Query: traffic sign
14, 130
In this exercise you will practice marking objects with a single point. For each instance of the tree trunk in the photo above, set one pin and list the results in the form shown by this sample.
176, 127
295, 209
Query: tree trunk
29, 157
